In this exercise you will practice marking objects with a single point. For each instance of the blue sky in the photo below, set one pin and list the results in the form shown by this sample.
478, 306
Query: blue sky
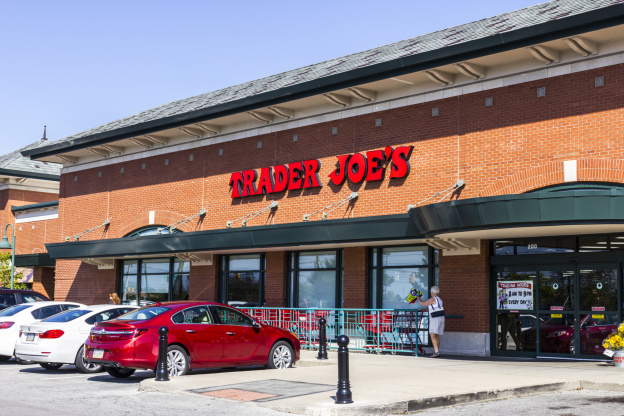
74, 65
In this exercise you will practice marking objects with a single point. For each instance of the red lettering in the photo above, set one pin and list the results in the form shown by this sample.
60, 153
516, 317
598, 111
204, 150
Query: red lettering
339, 175
357, 168
280, 181
376, 170
295, 171
265, 184
249, 185
311, 168
236, 181
400, 165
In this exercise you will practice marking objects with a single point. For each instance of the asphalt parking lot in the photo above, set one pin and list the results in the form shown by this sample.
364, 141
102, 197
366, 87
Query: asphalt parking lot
29, 389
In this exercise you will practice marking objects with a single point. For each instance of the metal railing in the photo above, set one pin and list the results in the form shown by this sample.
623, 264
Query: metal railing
372, 330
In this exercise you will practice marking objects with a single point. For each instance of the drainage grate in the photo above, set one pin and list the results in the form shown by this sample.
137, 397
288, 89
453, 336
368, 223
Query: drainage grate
264, 390
236, 394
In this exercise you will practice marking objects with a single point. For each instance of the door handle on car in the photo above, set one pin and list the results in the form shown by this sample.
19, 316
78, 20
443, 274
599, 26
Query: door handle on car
230, 333
190, 331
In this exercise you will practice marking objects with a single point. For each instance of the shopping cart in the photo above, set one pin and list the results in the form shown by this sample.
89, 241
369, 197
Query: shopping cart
394, 330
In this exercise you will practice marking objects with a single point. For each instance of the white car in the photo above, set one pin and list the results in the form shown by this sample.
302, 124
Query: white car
60, 339
13, 317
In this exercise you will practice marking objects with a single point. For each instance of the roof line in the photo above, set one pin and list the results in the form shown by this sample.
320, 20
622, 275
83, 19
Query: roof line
19, 208
543, 32
30, 175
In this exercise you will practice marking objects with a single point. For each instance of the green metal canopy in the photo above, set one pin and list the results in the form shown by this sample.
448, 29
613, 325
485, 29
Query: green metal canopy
352, 230
521, 210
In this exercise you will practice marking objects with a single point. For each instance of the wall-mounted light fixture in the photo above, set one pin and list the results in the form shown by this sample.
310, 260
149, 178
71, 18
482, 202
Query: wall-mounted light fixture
251, 216
459, 184
181, 222
336, 205
77, 236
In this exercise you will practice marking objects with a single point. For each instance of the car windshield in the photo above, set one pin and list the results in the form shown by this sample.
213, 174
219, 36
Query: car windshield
143, 313
67, 315
13, 310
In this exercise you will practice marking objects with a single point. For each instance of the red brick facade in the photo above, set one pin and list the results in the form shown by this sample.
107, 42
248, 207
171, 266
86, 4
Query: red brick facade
516, 145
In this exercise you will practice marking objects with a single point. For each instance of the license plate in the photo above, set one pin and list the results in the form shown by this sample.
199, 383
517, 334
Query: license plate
30, 337
98, 353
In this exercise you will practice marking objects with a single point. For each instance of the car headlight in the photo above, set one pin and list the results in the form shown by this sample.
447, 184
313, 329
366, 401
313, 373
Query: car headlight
556, 334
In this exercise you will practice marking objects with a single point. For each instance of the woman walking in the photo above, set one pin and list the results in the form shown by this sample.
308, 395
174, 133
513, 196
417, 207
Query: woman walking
436, 319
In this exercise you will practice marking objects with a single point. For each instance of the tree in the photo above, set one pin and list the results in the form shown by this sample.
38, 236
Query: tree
5, 273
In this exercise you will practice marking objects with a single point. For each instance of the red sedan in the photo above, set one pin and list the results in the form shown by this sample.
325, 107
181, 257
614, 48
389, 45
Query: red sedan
201, 335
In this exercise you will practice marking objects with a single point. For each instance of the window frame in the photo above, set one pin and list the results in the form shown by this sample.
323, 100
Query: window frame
433, 265
139, 274
224, 270
293, 276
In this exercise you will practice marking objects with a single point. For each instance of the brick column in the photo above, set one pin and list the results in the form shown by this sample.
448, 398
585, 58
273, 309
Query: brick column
203, 282
465, 290
276, 282
355, 277
43, 281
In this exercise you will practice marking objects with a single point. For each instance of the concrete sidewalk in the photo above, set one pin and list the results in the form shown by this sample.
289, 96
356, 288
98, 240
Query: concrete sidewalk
392, 384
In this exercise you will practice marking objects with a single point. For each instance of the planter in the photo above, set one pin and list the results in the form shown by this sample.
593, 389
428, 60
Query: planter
618, 358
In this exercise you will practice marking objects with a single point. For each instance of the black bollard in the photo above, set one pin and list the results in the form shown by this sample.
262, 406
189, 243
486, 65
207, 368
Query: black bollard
343, 394
322, 353
162, 373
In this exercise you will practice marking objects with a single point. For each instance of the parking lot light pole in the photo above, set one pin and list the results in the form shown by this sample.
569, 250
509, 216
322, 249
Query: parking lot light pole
5, 245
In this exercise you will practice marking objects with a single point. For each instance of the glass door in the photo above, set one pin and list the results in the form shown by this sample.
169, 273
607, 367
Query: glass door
558, 310
598, 309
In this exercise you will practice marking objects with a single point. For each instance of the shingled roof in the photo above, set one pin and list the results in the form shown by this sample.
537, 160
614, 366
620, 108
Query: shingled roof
14, 164
404, 54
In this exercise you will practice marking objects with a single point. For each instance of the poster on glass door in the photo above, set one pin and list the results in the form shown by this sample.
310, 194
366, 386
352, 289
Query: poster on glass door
516, 295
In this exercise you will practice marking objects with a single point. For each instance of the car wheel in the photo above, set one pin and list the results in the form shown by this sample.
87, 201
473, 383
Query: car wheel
85, 367
177, 361
281, 356
5, 357
51, 366
120, 372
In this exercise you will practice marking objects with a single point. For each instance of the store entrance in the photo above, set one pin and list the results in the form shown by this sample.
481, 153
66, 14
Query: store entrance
556, 310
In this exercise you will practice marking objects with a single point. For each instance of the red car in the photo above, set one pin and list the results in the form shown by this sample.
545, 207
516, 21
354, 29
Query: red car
201, 335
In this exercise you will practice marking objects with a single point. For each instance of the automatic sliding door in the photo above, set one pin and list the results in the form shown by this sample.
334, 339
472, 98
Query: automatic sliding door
557, 311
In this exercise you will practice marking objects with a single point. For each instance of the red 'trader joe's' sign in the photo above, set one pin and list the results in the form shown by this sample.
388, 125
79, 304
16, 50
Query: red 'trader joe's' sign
300, 175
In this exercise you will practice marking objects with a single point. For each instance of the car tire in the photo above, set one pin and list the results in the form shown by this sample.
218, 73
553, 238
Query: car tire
5, 357
51, 366
120, 372
85, 367
177, 361
281, 356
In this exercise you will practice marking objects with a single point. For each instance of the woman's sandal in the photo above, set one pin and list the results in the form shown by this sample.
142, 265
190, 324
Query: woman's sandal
435, 355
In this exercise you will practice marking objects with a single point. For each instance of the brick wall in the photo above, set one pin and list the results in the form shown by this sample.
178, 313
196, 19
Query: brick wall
355, 277
521, 137
275, 291
203, 281
43, 281
30, 237
465, 290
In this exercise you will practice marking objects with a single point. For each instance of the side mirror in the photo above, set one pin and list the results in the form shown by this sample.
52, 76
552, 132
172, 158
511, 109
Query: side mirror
256, 324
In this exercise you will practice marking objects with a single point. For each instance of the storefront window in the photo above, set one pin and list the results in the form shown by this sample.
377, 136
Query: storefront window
516, 320
316, 279
401, 270
242, 279
147, 281
554, 245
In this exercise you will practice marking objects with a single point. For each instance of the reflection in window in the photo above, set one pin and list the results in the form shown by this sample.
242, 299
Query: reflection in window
402, 269
154, 280
556, 289
242, 279
315, 277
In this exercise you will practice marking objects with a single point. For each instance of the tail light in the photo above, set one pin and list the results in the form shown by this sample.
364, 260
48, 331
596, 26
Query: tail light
52, 333
5, 325
132, 333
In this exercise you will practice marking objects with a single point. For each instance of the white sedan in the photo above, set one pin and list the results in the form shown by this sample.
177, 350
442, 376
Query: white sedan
13, 317
60, 339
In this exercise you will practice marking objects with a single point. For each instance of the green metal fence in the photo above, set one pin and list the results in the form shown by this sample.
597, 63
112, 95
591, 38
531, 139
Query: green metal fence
373, 330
